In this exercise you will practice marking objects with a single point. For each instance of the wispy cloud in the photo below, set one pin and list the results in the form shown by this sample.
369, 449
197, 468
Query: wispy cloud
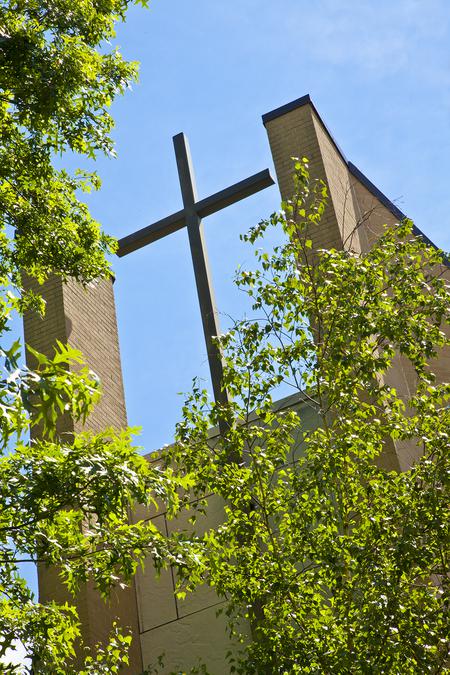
381, 37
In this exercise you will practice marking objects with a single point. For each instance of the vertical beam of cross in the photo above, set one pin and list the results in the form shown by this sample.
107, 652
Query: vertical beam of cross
208, 309
191, 217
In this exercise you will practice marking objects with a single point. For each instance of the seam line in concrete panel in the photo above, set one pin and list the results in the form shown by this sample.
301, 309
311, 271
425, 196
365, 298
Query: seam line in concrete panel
184, 616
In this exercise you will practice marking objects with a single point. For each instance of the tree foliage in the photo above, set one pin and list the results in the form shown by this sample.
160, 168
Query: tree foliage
339, 564
62, 501
57, 82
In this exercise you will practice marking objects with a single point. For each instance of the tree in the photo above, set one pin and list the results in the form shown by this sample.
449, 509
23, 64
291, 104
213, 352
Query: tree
63, 502
340, 565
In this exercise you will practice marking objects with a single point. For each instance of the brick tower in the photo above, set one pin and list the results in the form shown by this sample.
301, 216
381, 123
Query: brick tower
297, 130
85, 318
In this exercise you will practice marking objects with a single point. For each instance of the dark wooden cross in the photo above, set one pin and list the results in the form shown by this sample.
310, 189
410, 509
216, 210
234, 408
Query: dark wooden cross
191, 217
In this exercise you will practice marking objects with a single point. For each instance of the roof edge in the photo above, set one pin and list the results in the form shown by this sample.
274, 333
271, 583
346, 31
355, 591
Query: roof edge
288, 107
299, 103
354, 171
358, 174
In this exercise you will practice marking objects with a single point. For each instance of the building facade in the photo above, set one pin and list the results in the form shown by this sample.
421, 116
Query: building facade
189, 629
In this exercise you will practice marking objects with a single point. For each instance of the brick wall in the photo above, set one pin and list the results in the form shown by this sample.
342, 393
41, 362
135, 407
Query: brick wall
296, 130
86, 319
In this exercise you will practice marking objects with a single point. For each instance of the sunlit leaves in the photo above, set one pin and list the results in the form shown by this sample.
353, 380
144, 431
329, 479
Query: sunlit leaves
56, 88
339, 564
64, 500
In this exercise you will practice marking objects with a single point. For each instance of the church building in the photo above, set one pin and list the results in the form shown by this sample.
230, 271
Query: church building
185, 630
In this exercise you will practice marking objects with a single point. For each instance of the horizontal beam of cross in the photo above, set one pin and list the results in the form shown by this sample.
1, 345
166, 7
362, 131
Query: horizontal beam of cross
191, 217
204, 207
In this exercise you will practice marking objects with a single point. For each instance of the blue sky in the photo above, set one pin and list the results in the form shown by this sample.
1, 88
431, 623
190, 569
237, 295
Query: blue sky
379, 74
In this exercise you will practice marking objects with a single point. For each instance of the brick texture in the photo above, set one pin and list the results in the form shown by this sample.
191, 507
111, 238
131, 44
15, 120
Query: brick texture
85, 318
301, 133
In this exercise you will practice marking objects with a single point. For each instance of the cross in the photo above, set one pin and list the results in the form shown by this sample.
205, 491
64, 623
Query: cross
191, 217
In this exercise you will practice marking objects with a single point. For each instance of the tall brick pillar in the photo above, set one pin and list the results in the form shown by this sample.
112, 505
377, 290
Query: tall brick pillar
297, 130
85, 318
